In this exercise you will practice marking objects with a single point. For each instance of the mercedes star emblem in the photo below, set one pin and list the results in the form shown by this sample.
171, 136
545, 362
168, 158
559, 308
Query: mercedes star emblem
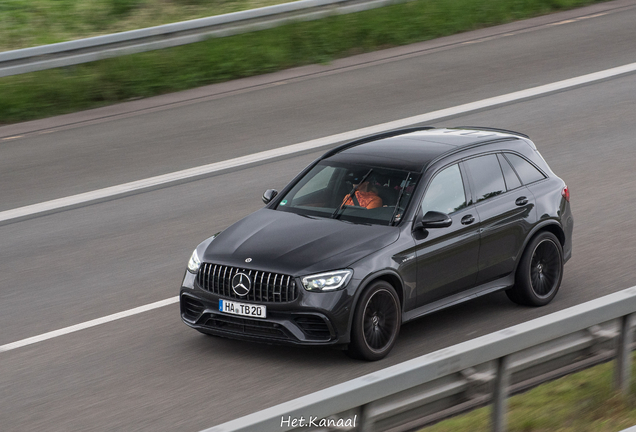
241, 284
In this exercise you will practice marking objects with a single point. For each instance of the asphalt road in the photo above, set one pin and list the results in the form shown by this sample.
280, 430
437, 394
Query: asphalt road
151, 372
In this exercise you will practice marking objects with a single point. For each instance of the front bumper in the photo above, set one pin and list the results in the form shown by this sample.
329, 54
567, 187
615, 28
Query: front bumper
311, 319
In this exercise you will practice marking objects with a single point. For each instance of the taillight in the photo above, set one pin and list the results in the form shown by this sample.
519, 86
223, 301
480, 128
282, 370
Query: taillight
565, 193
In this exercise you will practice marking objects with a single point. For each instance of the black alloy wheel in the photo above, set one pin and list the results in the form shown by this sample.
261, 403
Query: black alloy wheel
376, 322
540, 271
545, 268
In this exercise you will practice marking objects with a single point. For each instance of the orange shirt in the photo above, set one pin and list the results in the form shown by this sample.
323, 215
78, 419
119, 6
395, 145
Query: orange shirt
368, 200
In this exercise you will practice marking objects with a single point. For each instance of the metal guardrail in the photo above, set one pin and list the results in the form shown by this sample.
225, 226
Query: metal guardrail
486, 369
101, 47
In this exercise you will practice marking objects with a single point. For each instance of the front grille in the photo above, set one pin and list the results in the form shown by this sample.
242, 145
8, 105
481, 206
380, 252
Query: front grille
313, 326
265, 286
191, 308
247, 326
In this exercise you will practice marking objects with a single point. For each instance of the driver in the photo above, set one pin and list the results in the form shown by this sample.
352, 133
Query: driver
365, 196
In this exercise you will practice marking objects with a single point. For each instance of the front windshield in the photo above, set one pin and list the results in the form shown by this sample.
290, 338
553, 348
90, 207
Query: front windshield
354, 193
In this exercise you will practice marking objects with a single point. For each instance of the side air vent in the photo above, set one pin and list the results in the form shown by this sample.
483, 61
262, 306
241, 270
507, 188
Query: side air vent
191, 308
313, 326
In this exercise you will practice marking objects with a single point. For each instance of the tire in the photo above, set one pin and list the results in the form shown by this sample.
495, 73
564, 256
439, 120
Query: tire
539, 273
376, 323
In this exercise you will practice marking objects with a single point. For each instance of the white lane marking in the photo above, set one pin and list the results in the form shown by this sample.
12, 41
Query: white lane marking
568, 21
87, 324
112, 191
593, 16
564, 22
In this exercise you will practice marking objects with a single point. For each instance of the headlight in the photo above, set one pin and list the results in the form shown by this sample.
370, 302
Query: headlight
194, 263
327, 281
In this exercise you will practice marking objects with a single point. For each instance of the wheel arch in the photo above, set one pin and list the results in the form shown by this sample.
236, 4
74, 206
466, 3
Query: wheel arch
551, 226
387, 275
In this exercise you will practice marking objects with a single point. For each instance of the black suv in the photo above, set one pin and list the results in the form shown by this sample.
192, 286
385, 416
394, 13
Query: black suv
381, 231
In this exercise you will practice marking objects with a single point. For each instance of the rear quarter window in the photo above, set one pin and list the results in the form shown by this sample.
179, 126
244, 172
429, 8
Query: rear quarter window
526, 171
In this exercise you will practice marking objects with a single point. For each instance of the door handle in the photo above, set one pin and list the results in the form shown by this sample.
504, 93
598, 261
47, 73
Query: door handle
521, 201
468, 219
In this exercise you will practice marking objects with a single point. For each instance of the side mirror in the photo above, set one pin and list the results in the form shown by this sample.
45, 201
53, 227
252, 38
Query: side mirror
269, 195
434, 219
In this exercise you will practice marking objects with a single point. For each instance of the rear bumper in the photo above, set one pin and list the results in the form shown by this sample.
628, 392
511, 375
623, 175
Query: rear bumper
568, 228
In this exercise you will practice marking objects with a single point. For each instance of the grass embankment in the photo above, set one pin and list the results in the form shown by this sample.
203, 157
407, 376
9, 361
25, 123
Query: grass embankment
59, 91
40, 22
580, 402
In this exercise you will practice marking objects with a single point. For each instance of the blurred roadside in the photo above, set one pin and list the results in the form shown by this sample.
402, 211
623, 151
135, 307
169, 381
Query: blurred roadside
64, 90
40, 22
580, 402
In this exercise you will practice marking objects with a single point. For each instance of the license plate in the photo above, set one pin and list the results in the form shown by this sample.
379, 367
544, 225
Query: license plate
243, 309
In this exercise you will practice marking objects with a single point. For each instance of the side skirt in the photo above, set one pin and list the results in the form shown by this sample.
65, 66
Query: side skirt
478, 291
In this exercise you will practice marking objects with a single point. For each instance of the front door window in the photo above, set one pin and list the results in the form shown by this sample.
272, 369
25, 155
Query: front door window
446, 192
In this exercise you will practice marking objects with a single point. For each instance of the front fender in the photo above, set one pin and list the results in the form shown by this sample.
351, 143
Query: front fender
393, 276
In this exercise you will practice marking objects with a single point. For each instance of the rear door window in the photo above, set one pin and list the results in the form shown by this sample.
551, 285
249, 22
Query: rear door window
487, 178
526, 171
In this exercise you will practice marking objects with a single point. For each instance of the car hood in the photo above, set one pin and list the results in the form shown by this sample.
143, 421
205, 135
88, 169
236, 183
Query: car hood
297, 245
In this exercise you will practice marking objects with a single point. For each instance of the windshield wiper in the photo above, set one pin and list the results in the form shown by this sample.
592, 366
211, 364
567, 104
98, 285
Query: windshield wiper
354, 223
397, 204
336, 212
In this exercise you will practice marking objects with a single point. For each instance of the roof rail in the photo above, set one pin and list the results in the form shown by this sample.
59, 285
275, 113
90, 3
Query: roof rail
492, 130
374, 138
469, 146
